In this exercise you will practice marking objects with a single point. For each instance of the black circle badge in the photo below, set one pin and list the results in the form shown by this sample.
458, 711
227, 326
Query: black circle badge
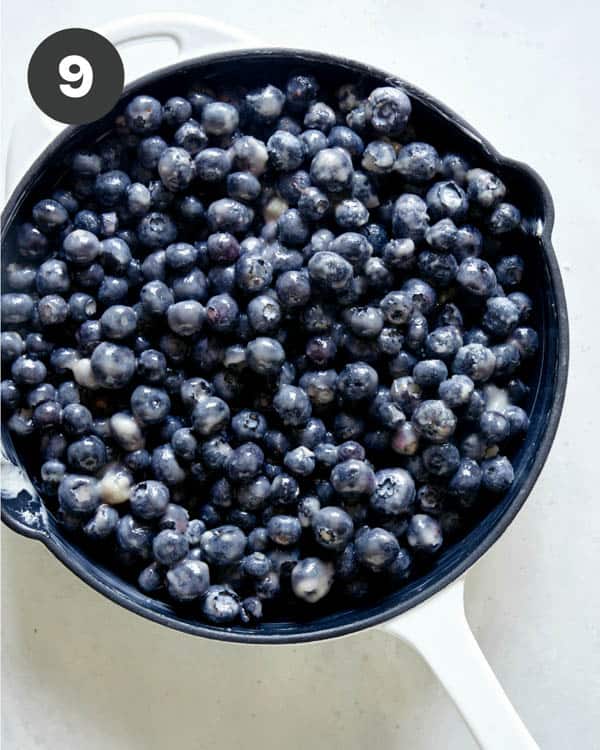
75, 76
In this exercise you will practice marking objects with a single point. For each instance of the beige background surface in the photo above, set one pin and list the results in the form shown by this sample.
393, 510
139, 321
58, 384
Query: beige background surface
80, 672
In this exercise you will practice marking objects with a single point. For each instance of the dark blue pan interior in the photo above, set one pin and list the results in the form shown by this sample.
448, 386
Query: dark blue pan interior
21, 507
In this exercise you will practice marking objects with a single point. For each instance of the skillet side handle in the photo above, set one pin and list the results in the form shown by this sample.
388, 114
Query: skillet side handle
22, 509
439, 631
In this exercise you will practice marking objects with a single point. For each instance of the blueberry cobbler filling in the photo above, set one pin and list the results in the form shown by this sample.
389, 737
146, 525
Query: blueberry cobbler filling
270, 349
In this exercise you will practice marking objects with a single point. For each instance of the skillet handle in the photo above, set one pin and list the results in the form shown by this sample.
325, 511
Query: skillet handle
192, 34
439, 631
22, 508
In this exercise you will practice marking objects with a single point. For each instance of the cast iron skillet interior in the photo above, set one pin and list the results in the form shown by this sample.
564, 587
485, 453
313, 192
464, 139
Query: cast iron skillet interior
21, 506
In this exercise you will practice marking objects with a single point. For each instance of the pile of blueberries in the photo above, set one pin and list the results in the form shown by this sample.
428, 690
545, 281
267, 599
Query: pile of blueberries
268, 346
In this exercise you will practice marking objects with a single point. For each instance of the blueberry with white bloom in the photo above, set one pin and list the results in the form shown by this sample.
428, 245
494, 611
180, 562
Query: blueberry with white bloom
474, 360
388, 109
292, 405
188, 580
424, 533
77, 494
351, 214
447, 200
266, 103
526, 340
353, 478
312, 579
210, 415
300, 461
378, 157
456, 390
219, 118
223, 545
484, 188
331, 169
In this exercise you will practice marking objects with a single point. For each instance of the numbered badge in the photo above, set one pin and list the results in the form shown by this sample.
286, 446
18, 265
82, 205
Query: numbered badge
75, 76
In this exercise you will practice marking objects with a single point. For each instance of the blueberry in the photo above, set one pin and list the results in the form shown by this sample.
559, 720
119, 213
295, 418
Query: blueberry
388, 110
517, 419
223, 545
447, 200
351, 214
191, 137
286, 151
331, 169
249, 425
150, 405
176, 168
291, 228
292, 405
20, 277
265, 355
266, 103
497, 474
352, 478
300, 461
31, 242
409, 217
509, 270
330, 269
424, 533
394, 492
250, 154
301, 90
378, 157
49, 215
244, 463
430, 373
77, 419
474, 360
264, 313
188, 580
357, 381
143, 114
220, 605
466, 481
418, 162
103, 523
228, 215
484, 188
169, 546
504, 218
11, 396
312, 579
156, 298
500, 317
444, 342
456, 391
210, 415
319, 116
118, 322
166, 467
494, 427
434, 421
526, 340
52, 310
156, 230
376, 548
28, 371
110, 187
343, 137
76, 494
87, 454
293, 289
314, 141
47, 414
284, 490
441, 460
11, 345
442, 236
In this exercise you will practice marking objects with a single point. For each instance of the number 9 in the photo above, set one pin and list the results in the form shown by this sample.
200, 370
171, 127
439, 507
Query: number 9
83, 75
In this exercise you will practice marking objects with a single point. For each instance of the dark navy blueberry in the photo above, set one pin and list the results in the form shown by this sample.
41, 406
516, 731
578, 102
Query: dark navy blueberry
509, 270
351, 214
517, 420
77, 419
444, 342
468, 243
504, 218
31, 242
390, 341
301, 90
526, 340
175, 111
429, 373
418, 162
343, 137
143, 114
169, 546
28, 371
497, 474
314, 141
110, 187
149, 151
293, 289
300, 461
357, 381
284, 490
118, 322
494, 427
156, 230
87, 454
431, 498
223, 545
47, 414
376, 548
454, 167
434, 421
507, 358
353, 478
52, 310
456, 391
165, 466
11, 395
174, 517
151, 578
284, 530
330, 269
50, 215
113, 365
11, 345
441, 460
88, 221
138, 461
